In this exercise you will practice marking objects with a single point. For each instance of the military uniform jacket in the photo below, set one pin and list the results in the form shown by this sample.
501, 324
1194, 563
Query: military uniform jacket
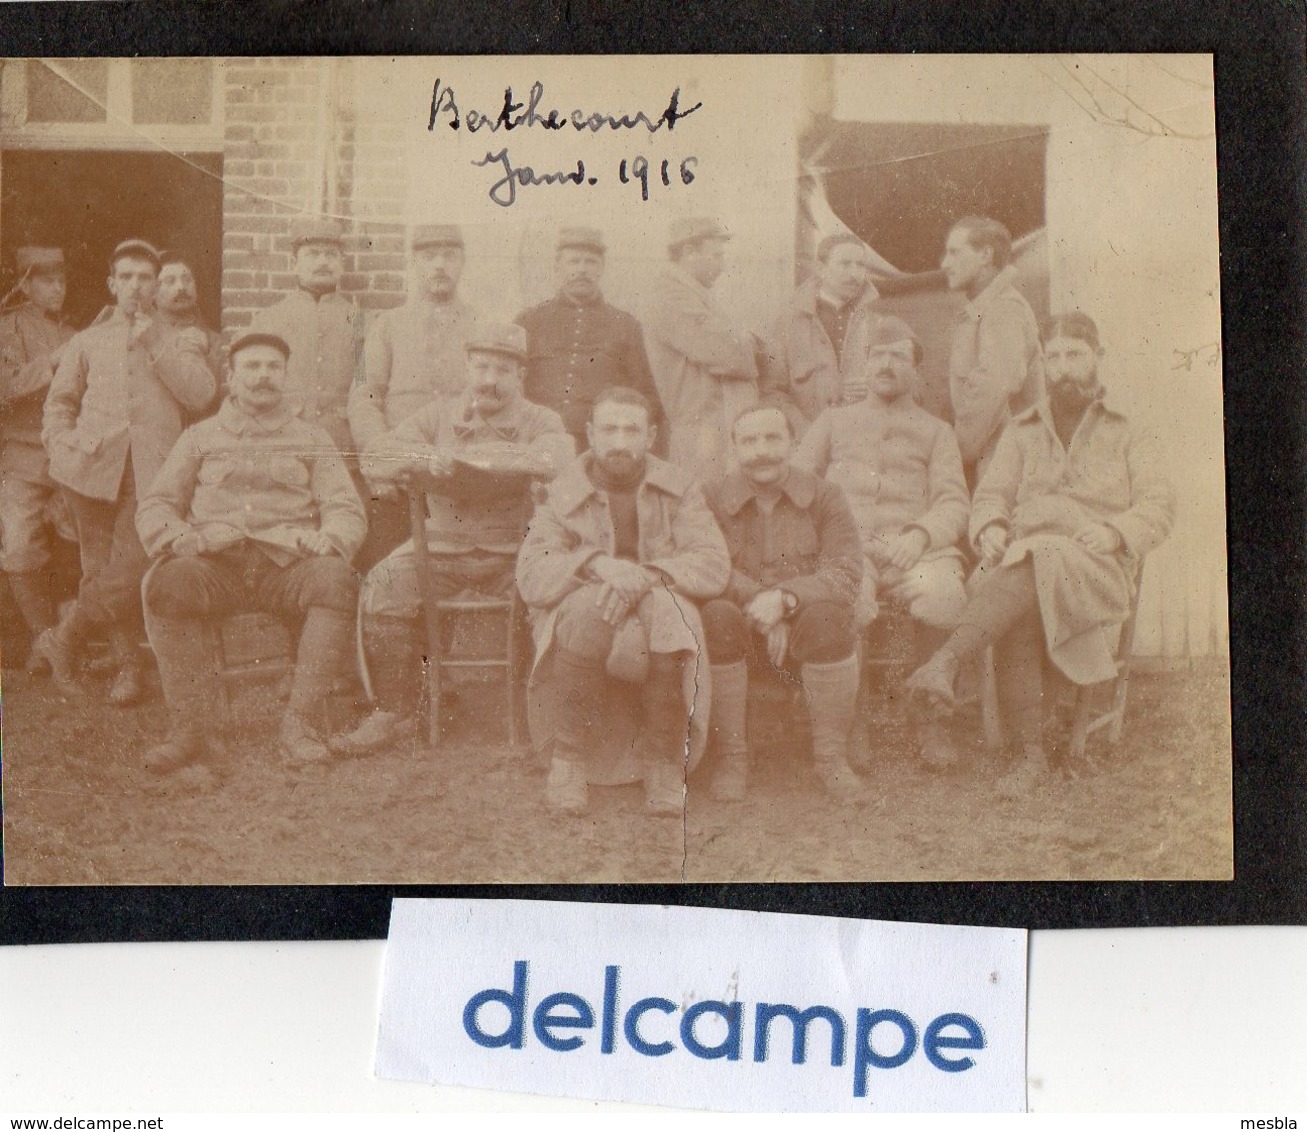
1044, 493
995, 366
412, 354
804, 371
325, 336
807, 543
235, 477
28, 342
705, 373
576, 350
483, 505
897, 464
110, 401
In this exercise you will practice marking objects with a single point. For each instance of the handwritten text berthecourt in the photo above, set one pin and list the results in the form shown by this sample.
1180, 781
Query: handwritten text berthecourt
515, 115
639, 169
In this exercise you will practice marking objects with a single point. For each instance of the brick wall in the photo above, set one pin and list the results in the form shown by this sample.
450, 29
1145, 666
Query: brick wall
273, 169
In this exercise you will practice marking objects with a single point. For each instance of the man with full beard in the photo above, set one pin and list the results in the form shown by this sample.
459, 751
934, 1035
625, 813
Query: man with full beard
1069, 505
614, 562
177, 301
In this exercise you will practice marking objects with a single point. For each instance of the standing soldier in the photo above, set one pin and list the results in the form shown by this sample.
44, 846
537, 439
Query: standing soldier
704, 370
30, 338
114, 410
177, 303
995, 367
817, 352
413, 354
323, 328
579, 345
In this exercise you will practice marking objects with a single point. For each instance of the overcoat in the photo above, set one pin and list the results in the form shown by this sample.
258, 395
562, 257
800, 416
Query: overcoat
1044, 493
996, 366
804, 372
704, 371
109, 400
678, 537
29, 341
325, 336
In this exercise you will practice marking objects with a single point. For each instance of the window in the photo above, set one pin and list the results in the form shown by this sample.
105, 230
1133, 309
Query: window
67, 90
176, 91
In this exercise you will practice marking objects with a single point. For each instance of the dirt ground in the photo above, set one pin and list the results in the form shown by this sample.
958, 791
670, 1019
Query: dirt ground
78, 808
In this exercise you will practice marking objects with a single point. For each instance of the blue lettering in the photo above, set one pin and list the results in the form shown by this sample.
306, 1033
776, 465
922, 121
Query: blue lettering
608, 1034
632, 1027
516, 1003
935, 1040
864, 1056
544, 1018
729, 1047
799, 1019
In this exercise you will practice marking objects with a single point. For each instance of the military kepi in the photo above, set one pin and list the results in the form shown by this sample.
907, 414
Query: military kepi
890, 329
578, 236
135, 247
499, 338
315, 230
436, 236
35, 260
687, 229
259, 338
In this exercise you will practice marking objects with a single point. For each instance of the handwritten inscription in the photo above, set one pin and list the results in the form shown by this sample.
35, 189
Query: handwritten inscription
517, 115
636, 171
1209, 355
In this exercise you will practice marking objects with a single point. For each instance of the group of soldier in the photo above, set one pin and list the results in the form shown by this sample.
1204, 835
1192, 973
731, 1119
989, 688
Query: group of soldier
740, 502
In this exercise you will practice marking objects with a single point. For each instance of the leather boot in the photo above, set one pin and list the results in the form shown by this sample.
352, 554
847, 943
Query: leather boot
32, 596
666, 733
189, 682
324, 643
577, 688
392, 648
730, 700
128, 685
832, 691
61, 647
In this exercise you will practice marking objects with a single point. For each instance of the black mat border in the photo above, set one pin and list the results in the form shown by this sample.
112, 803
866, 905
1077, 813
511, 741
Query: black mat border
1261, 94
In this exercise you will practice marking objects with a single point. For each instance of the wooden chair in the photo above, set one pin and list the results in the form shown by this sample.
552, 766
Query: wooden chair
437, 613
1086, 720
248, 648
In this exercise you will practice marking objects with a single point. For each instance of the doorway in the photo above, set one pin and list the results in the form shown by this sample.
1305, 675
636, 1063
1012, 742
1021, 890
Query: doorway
88, 201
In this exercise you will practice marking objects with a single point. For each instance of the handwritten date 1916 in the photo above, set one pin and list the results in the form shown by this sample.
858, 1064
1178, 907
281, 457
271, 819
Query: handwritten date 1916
636, 171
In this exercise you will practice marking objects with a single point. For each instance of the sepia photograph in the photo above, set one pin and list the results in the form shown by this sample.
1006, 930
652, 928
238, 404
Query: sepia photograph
612, 469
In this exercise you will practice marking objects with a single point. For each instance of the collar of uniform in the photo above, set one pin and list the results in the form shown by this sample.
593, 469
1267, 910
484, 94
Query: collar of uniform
573, 487
1042, 411
982, 302
678, 273
807, 295
237, 422
305, 295
558, 299
736, 490
507, 424
181, 322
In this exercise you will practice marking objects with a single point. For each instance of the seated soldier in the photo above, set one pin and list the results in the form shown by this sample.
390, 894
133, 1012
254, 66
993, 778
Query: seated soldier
900, 468
796, 562
252, 510
1066, 509
482, 446
613, 563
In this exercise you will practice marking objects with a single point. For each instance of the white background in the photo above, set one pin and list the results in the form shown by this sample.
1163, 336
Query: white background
1168, 1020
